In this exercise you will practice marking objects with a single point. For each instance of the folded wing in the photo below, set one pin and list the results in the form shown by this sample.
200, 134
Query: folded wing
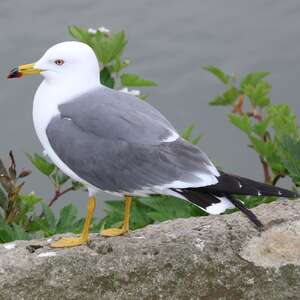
121, 144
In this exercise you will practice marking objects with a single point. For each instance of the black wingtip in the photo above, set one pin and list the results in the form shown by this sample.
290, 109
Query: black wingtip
251, 216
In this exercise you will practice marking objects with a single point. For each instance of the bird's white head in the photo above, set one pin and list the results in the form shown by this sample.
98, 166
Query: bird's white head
67, 62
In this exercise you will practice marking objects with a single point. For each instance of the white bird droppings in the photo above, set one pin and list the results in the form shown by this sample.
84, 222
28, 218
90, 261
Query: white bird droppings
200, 244
9, 246
47, 254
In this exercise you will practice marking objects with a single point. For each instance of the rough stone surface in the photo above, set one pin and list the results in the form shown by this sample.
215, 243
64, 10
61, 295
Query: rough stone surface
215, 257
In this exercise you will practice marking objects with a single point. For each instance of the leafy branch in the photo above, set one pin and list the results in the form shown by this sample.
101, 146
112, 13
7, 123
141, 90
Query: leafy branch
266, 125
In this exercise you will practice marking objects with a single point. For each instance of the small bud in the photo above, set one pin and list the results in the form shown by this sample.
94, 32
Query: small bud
24, 173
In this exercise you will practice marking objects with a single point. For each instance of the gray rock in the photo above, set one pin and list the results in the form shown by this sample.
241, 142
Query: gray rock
215, 257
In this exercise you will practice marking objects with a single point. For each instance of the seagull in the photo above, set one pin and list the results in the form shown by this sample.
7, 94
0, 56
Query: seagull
114, 142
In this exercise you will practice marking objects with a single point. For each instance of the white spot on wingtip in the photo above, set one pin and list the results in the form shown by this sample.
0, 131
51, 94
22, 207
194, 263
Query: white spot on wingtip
279, 193
9, 246
218, 208
259, 193
240, 185
47, 254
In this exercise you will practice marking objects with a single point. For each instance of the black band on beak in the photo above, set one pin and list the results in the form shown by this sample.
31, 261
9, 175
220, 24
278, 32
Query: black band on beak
14, 73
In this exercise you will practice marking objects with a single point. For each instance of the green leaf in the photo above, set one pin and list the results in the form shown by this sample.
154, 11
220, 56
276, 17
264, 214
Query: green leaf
118, 66
167, 208
59, 177
188, 132
187, 135
19, 233
269, 152
50, 218
253, 201
67, 219
80, 34
260, 128
138, 216
283, 120
77, 185
110, 47
41, 164
6, 234
197, 139
290, 156
26, 204
106, 78
258, 94
218, 73
228, 97
260, 146
12, 232
252, 79
133, 80
241, 122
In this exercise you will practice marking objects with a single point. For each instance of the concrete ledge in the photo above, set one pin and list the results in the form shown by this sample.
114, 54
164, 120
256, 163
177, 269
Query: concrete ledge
215, 257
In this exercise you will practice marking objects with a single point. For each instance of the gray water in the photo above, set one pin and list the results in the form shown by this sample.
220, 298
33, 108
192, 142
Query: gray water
169, 41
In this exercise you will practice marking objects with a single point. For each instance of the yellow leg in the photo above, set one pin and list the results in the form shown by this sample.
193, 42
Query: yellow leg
125, 227
83, 238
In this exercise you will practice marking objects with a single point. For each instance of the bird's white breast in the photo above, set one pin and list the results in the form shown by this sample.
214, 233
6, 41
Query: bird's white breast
45, 107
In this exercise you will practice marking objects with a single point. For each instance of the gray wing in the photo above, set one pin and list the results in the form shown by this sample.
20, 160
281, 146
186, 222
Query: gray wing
116, 143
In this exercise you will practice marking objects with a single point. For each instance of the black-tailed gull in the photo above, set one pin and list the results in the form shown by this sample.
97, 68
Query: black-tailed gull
112, 141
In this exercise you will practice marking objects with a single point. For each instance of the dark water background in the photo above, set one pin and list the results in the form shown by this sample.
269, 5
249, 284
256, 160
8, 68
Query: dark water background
169, 41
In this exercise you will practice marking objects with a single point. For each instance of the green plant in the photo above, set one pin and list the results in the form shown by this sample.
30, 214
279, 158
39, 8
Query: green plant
19, 213
62, 184
272, 129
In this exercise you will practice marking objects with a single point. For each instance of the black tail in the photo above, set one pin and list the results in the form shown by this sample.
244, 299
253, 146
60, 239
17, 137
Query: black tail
217, 198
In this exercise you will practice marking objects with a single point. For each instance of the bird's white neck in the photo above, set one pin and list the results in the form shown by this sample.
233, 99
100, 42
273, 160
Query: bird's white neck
60, 91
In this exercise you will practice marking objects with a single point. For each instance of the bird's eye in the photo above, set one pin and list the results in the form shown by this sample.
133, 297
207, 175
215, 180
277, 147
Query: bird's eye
59, 62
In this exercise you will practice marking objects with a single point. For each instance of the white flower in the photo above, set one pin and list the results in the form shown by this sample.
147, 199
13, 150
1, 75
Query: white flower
132, 92
103, 29
92, 30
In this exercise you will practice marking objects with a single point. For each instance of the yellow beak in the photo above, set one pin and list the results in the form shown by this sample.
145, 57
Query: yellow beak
24, 70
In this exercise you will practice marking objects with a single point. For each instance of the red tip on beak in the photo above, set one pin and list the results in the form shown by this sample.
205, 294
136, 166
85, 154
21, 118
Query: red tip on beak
14, 73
